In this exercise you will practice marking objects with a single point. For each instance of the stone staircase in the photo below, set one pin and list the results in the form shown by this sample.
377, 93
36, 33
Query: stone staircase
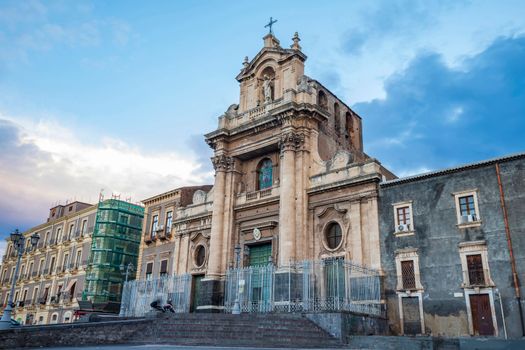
254, 330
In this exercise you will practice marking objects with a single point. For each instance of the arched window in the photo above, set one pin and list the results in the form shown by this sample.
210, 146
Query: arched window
333, 235
348, 120
264, 174
337, 119
322, 101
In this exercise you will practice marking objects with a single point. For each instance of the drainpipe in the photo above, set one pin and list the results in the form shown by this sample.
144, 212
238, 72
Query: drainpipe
511, 253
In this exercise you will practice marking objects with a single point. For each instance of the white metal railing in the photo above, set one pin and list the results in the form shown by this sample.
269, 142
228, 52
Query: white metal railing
308, 286
137, 295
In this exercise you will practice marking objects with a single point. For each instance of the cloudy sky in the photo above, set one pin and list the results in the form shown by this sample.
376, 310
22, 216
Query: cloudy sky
116, 95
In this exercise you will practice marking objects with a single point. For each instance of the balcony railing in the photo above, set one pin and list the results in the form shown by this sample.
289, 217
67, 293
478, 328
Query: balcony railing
262, 194
476, 278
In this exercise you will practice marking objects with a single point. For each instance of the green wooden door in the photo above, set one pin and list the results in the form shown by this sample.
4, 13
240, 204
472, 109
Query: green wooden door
196, 287
260, 254
260, 280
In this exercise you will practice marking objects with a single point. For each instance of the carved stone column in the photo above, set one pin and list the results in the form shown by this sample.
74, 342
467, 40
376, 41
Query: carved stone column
221, 164
288, 144
211, 293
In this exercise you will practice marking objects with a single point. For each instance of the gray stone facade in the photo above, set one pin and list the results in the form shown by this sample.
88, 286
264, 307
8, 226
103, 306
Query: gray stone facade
443, 299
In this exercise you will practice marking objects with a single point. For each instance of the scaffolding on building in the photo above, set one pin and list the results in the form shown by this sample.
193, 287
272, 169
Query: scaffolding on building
115, 242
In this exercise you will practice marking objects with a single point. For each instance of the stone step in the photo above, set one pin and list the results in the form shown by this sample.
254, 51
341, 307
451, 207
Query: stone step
259, 330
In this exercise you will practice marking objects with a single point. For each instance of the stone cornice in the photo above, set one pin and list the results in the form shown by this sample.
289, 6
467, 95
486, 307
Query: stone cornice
274, 118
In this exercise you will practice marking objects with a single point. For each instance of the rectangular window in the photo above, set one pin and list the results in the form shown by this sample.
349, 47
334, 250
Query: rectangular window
70, 234
35, 295
408, 274
403, 219
476, 276
84, 225
41, 268
169, 220
149, 271
52, 265
154, 225
466, 206
77, 260
403, 215
164, 267
65, 262
467, 209
59, 235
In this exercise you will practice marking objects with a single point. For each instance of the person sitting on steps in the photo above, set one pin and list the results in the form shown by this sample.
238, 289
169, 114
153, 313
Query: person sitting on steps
156, 305
168, 306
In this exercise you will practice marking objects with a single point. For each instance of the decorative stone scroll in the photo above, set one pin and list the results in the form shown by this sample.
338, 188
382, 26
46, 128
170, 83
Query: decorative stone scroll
291, 141
222, 163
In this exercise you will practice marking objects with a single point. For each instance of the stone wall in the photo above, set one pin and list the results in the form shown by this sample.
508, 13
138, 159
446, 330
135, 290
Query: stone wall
437, 239
77, 334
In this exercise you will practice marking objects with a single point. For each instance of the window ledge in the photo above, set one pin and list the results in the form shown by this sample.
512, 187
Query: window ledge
404, 233
477, 286
409, 291
469, 224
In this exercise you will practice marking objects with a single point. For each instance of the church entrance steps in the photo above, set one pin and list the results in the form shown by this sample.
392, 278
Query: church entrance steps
268, 330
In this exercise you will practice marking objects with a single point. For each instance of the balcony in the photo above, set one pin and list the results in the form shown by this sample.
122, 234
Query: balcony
248, 197
476, 278
147, 238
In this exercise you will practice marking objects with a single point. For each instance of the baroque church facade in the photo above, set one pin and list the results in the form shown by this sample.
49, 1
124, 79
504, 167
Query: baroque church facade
292, 183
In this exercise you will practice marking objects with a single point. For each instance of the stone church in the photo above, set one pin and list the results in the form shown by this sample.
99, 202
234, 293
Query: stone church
292, 183
291, 179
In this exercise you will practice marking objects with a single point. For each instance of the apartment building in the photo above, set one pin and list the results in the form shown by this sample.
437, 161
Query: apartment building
52, 274
78, 257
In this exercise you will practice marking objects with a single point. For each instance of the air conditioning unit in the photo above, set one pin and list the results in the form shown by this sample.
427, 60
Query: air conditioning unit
403, 228
468, 218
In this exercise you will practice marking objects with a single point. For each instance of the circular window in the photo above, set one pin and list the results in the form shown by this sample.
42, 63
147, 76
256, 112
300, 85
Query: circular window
333, 235
200, 255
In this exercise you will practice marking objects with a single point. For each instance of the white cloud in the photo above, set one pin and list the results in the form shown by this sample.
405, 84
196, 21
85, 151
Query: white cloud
454, 115
413, 171
48, 162
3, 246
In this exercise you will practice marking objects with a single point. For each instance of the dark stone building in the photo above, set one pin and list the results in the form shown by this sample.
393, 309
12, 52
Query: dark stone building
453, 249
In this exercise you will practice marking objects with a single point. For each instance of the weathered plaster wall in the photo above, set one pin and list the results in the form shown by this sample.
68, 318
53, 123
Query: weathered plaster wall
437, 237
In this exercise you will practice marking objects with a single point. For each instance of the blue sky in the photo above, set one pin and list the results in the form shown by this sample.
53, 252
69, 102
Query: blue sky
117, 95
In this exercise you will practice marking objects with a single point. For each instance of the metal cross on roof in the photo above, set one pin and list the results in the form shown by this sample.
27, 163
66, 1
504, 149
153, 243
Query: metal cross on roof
272, 21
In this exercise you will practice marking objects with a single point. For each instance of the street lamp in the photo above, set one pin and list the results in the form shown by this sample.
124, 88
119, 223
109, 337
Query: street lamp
236, 306
125, 270
18, 244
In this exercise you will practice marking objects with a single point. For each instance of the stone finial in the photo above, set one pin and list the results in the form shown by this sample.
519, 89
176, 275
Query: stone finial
296, 40
245, 62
